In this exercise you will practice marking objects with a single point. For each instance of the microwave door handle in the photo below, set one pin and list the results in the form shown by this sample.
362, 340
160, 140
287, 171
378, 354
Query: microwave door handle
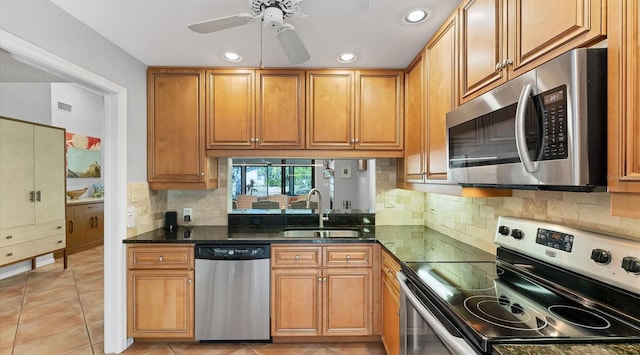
521, 139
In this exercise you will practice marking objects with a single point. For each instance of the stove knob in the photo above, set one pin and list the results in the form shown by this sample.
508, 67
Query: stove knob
601, 256
503, 230
631, 264
517, 309
516, 234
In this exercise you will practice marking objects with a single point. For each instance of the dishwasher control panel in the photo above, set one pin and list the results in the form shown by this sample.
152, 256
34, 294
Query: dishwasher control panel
234, 252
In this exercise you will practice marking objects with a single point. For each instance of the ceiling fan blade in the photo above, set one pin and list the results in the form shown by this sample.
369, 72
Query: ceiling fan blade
292, 45
222, 23
334, 7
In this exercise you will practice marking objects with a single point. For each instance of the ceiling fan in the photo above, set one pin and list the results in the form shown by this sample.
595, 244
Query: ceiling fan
273, 14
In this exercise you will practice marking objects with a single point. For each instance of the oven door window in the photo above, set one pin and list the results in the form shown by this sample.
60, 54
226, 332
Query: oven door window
420, 338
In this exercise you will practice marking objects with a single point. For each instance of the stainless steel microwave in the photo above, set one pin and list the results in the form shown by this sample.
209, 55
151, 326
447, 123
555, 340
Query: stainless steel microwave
546, 129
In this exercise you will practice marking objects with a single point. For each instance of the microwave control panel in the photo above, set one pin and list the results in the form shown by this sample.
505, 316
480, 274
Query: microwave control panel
554, 126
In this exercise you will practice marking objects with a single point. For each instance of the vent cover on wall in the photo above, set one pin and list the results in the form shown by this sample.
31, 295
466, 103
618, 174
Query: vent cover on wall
64, 107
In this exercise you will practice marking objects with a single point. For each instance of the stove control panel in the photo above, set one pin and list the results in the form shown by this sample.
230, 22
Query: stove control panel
604, 257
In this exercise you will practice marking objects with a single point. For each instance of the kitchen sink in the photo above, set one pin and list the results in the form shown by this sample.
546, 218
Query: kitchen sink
321, 233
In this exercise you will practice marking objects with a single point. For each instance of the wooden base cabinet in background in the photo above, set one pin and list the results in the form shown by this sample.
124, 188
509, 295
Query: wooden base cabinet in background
390, 304
160, 291
322, 290
85, 225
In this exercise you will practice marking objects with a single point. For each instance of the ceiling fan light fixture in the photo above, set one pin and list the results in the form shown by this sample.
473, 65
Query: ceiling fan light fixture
346, 57
231, 57
416, 15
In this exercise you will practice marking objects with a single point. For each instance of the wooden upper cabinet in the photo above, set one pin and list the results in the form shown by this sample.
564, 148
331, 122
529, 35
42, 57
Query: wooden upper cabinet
482, 44
230, 109
415, 131
330, 109
623, 107
280, 109
501, 39
440, 57
349, 109
175, 130
379, 121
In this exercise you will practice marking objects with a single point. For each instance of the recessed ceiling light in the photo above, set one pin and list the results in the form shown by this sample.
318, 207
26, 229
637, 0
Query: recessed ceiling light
346, 57
416, 15
232, 57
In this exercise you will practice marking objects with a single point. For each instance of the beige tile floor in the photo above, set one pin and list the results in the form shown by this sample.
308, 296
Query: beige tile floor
55, 311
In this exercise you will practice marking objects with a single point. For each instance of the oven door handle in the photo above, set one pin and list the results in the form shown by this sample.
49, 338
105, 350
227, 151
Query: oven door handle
456, 345
521, 138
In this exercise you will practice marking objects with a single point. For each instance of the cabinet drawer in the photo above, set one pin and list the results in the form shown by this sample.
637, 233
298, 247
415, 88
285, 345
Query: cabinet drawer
298, 256
389, 269
160, 257
21, 251
356, 256
11, 236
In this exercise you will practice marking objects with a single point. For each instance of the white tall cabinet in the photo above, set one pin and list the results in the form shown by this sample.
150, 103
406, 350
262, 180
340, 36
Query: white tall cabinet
32, 191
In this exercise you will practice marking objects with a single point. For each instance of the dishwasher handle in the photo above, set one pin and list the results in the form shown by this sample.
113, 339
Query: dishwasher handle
233, 252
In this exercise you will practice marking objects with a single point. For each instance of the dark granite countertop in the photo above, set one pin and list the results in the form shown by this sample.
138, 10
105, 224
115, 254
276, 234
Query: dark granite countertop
568, 349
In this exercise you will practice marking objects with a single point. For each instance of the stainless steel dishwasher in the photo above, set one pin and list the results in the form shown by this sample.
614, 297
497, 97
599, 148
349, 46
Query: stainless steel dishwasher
232, 293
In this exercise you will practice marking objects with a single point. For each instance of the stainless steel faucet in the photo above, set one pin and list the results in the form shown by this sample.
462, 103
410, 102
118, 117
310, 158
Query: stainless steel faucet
321, 217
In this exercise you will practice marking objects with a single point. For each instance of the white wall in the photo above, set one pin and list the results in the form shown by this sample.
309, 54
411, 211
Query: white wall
86, 118
26, 101
50, 28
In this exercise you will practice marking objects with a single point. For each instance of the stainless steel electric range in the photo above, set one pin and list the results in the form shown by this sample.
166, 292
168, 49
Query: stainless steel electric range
549, 284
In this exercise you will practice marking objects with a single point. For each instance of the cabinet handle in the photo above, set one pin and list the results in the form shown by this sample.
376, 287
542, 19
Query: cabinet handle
9, 254
70, 226
97, 221
297, 257
8, 237
398, 313
38, 196
59, 241
161, 259
59, 227
32, 196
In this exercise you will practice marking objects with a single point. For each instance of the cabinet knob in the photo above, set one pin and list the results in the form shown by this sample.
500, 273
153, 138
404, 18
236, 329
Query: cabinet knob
297, 257
324, 279
161, 259
257, 140
189, 281
319, 279
202, 173
507, 62
357, 140
348, 257
8, 237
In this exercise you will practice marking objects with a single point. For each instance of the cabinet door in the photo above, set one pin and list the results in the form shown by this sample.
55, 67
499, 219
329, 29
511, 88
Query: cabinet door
379, 121
280, 109
330, 109
295, 302
441, 95
347, 304
79, 227
415, 132
175, 129
230, 114
17, 175
160, 303
390, 318
623, 108
483, 46
542, 29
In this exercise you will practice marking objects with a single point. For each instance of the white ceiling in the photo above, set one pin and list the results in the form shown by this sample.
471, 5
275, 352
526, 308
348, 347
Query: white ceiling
155, 32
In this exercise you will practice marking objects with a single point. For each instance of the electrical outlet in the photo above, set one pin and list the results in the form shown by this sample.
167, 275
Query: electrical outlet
131, 216
186, 214
389, 201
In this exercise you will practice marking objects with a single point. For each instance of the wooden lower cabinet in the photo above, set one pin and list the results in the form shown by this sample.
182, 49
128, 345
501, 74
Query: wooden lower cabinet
160, 291
321, 300
85, 226
390, 305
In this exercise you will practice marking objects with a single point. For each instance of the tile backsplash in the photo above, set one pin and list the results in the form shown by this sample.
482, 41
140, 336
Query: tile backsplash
470, 220
473, 220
